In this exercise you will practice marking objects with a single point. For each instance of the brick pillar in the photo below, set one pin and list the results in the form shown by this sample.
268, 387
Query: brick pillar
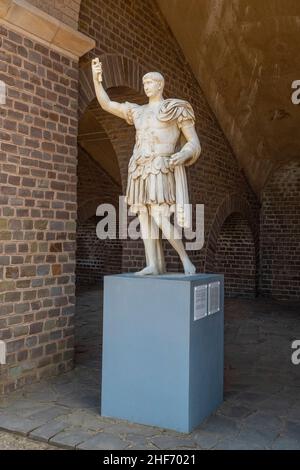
38, 157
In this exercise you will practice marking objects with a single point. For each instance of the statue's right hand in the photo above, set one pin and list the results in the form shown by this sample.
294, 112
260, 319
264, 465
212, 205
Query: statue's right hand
97, 70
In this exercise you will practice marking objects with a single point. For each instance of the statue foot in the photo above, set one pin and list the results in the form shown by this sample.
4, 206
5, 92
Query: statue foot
188, 266
147, 271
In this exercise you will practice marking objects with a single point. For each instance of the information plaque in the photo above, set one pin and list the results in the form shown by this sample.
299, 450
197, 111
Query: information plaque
213, 297
200, 301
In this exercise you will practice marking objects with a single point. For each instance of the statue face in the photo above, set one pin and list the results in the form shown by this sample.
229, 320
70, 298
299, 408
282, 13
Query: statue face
152, 87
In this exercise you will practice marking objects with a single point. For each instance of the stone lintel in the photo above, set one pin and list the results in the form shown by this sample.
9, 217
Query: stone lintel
24, 18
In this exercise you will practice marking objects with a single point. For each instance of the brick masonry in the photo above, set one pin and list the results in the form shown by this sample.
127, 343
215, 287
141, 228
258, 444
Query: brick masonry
38, 157
280, 234
128, 37
66, 11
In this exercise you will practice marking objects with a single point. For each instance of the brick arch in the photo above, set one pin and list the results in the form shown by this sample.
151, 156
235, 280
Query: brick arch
233, 203
118, 71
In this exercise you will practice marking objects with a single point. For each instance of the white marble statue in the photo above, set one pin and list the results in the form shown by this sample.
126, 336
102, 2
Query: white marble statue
157, 184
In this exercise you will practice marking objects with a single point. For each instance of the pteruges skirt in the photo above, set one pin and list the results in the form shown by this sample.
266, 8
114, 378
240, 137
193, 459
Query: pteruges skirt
151, 182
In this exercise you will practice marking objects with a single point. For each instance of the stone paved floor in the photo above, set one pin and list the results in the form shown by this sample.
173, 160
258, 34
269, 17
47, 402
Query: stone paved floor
261, 409
10, 441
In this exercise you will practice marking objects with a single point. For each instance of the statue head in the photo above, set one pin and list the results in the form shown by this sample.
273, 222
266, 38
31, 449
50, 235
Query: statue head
153, 84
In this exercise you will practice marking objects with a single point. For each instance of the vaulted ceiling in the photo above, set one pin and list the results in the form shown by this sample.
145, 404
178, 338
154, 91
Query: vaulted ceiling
245, 55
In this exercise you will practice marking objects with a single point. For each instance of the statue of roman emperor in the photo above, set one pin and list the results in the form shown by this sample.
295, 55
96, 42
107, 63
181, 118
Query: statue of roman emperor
157, 183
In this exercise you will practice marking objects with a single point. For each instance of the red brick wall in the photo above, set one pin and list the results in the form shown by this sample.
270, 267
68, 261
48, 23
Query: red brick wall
280, 234
38, 128
95, 258
235, 257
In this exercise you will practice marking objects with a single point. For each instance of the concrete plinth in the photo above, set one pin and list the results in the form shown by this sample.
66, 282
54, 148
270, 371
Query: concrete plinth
163, 342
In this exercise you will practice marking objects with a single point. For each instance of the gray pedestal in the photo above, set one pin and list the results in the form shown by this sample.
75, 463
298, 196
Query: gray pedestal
163, 349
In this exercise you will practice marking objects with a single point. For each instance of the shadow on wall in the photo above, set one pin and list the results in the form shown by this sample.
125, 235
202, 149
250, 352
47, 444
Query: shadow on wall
99, 182
95, 258
235, 257
280, 234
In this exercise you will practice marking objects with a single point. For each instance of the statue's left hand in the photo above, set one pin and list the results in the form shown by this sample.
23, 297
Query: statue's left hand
178, 159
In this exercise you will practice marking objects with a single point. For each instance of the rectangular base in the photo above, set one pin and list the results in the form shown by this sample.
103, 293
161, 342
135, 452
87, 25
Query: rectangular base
163, 343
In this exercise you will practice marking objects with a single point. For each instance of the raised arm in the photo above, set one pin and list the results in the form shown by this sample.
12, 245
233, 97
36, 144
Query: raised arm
118, 109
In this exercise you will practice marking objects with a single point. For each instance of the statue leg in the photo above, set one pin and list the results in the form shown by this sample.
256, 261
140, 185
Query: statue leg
150, 244
172, 235
160, 255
